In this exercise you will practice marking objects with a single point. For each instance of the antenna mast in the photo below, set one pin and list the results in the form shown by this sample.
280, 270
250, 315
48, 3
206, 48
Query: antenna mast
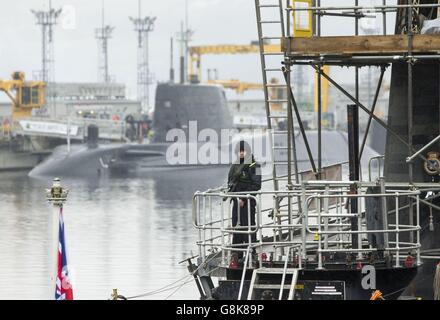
143, 26
47, 20
103, 34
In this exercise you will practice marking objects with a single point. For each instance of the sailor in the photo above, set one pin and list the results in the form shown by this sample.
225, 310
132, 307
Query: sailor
244, 176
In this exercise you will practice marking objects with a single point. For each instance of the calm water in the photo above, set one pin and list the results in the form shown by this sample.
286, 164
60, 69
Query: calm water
127, 233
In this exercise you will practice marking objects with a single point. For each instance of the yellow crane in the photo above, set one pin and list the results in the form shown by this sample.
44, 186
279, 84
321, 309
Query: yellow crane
196, 53
195, 62
324, 91
237, 85
25, 95
195, 68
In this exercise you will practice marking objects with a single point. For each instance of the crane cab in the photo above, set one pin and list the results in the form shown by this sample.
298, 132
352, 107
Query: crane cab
25, 95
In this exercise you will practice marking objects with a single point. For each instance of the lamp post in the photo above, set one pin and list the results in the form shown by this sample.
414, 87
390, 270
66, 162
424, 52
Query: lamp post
56, 196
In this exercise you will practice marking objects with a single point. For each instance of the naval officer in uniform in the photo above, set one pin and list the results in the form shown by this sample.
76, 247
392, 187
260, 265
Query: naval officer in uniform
244, 176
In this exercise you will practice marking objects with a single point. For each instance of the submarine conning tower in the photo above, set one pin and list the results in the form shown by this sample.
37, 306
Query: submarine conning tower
178, 104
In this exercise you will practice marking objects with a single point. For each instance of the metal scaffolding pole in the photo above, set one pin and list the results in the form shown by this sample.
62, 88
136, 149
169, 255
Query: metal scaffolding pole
356, 72
410, 111
410, 91
378, 120
289, 106
319, 105
300, 124
353, 154
373, 108
365, 8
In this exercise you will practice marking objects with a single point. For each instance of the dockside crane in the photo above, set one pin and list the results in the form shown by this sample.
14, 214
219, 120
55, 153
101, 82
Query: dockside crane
196, 53
237, 85
195, 71
25, 95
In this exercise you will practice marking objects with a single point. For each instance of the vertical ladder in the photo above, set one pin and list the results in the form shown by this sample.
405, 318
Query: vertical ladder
258, 283
276, 8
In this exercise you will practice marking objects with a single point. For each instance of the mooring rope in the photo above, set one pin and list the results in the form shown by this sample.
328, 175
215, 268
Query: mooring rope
165, 289
160, 290
393, 293
183, 280
180, 287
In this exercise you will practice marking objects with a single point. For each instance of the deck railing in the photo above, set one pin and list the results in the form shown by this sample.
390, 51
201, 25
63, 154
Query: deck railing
319, 223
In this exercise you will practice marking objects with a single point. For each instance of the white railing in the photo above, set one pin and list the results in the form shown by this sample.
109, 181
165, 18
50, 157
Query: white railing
319, 222
379, 166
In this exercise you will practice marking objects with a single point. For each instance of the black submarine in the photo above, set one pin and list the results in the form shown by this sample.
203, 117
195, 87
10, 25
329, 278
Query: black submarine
176, 107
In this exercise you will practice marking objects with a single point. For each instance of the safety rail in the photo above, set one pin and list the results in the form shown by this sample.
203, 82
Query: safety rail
398, 227
319, 223
380, 160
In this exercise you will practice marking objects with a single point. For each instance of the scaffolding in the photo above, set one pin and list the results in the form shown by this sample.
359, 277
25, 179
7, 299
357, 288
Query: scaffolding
302, 44
324, 225
353, 51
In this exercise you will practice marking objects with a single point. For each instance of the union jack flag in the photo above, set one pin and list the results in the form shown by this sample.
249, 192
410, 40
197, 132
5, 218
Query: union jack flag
64, 289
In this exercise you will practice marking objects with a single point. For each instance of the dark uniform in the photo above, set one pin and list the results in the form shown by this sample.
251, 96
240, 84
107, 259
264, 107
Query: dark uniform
244, 177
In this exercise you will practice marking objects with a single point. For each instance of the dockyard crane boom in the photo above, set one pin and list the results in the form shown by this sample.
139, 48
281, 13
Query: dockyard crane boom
237, 85
195, 70
25, 95
196, 53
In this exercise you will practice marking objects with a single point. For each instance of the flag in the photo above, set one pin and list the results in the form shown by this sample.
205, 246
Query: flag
64, 289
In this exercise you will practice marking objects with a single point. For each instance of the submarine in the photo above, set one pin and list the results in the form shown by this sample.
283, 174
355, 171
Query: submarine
177, 106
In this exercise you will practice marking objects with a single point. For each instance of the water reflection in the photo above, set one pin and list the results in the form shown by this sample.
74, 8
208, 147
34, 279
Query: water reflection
122, 232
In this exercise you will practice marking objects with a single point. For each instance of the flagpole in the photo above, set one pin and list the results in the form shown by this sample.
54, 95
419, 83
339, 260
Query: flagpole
54, 250
56, 196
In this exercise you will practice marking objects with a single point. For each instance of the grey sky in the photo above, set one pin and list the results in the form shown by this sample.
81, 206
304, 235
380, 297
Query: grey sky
214, 22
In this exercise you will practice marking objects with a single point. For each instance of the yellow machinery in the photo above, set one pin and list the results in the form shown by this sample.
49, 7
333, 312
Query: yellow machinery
241, 87
196, 53
324, 91
302, 27
25, 95
302, 20
237, 85
195, 69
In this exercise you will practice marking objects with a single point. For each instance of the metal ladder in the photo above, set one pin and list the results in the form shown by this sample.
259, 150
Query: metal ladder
276, 8
257, 285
